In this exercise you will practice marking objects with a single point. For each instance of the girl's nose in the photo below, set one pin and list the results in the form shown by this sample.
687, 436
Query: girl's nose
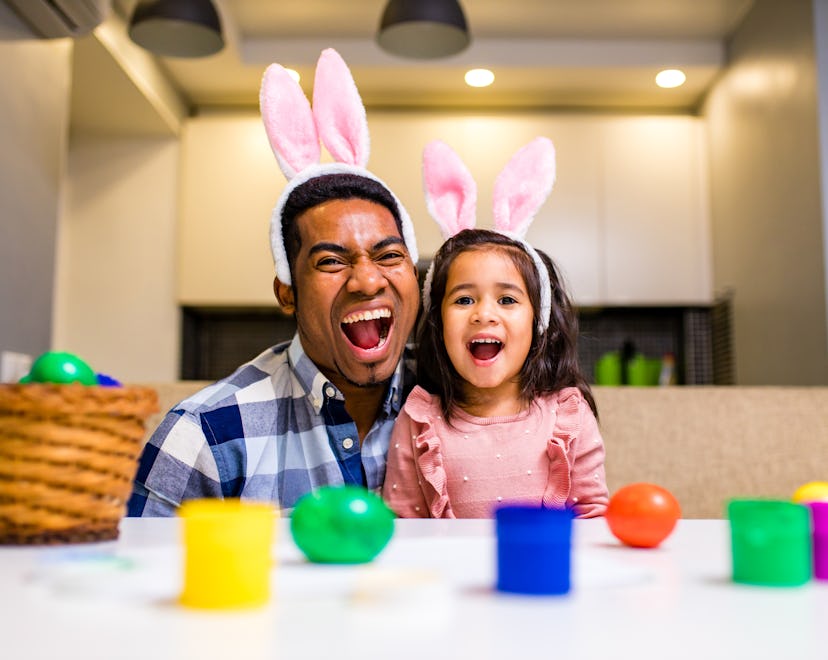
366, 278
484, 313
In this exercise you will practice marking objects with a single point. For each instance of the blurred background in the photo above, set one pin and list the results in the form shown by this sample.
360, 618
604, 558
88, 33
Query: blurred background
136, 181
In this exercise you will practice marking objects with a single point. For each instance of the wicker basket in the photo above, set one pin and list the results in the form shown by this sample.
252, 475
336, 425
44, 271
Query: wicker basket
68, 455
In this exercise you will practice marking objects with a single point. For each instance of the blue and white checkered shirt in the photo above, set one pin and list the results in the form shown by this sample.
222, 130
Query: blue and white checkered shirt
272, 431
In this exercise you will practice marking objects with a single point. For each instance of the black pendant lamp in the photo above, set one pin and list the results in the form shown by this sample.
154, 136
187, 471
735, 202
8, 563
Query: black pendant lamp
177, 28
423, 29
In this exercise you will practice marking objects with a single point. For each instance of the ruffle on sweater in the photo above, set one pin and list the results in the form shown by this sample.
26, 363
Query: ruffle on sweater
427, 454
567, 427
429, 458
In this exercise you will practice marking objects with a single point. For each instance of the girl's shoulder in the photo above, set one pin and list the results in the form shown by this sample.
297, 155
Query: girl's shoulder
422, 406
570, 407
570, 397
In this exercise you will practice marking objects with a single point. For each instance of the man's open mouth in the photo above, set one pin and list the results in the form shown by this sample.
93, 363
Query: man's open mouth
484, 349
368, 330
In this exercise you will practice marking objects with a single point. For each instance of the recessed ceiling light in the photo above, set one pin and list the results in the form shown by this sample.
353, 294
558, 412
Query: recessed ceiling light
670, 78
479, 78
293, 74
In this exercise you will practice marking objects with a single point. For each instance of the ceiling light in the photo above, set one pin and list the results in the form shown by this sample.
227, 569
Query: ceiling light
670, 78
479, 77
423, 29
177, 28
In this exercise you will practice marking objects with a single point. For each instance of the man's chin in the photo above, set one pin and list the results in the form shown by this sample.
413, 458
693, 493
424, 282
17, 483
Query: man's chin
371, 374
369, 377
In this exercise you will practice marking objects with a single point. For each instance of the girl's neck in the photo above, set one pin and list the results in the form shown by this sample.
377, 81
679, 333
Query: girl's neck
492, 403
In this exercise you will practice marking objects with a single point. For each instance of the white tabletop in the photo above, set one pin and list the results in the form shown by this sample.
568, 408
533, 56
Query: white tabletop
428, 595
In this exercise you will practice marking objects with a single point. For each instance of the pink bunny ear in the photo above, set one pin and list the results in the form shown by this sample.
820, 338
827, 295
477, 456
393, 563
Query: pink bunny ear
338, 109
451, 193
523, 186
288, 121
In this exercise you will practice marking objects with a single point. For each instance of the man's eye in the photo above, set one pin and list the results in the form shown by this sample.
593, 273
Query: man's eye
391, 257
329, 262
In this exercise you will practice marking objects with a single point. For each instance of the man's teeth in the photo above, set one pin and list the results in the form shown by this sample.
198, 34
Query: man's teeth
368, 316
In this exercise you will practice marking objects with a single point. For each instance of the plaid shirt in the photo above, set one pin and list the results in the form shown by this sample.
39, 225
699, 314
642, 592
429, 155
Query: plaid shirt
273, 430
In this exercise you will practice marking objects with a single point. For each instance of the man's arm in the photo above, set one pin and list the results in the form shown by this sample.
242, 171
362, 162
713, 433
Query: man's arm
176, 464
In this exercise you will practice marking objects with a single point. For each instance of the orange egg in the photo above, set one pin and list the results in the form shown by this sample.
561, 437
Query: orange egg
642, 515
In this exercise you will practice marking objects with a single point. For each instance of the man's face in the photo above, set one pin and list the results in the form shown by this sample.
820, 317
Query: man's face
356, 290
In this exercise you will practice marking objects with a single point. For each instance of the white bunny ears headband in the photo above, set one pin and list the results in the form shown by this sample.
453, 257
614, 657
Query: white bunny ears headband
294, 132
520, 190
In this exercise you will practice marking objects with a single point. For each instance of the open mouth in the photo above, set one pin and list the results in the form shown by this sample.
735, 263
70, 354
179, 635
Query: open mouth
484, 349
368, 330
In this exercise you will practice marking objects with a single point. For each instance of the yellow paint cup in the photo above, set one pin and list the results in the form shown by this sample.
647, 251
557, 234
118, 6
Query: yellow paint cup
227, 553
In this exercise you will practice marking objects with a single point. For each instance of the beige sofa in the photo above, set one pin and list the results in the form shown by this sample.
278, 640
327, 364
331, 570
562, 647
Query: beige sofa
704, 444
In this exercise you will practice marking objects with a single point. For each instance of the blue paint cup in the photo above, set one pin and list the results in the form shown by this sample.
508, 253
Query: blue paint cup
534, 549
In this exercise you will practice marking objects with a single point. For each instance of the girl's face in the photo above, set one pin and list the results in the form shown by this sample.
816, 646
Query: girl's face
487, 323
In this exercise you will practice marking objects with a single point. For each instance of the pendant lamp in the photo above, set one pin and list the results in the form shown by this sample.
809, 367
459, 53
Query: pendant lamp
177, 28
423, 29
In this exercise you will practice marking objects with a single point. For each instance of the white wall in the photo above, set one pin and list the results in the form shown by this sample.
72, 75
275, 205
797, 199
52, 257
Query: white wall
115, 295
765, 197
34, 121
821, 47
627, 220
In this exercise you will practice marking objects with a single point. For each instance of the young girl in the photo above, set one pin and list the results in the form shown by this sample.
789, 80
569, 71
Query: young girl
502, 412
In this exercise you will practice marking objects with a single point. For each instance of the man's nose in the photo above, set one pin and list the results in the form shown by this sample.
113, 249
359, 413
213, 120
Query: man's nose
366, 278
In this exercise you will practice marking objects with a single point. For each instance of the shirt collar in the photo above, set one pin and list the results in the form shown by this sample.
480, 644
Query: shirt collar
316, 386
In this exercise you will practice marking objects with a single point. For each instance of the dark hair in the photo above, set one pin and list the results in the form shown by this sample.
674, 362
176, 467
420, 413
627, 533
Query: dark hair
552, 362
322, 189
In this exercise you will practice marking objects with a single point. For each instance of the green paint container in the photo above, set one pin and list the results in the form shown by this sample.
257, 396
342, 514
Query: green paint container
770, 541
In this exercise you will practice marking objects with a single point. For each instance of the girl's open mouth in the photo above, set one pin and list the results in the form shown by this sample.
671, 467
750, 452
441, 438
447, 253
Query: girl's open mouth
484, 349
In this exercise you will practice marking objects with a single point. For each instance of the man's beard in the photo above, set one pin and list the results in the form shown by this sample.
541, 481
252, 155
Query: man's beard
373, 381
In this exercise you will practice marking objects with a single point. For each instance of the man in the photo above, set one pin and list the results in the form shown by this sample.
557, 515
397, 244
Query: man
319, 409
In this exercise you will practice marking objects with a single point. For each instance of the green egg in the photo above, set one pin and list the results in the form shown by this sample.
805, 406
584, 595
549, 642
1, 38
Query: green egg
61, 368
341, 525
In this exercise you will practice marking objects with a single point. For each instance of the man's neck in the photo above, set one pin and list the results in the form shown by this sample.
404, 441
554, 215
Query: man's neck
363, 405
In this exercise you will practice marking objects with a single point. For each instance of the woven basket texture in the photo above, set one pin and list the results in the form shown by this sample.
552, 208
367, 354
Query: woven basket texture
68, 455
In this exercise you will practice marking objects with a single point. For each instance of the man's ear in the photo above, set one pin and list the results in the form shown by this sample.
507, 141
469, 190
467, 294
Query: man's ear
284, 294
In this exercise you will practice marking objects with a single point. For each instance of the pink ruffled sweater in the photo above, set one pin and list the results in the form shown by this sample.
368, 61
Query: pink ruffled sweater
550, 454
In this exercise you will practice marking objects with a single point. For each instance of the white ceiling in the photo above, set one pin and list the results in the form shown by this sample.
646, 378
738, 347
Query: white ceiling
558, 54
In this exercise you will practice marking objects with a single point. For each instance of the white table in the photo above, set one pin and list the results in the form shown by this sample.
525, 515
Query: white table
428, 595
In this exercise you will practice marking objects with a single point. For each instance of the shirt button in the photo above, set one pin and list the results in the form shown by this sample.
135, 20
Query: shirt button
329, 390
347, 443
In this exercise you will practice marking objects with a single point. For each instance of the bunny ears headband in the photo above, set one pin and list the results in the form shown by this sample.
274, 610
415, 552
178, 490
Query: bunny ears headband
520, 190
294, 131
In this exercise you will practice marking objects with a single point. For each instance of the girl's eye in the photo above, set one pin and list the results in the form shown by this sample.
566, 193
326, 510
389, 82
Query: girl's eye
464, 300
507, 300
